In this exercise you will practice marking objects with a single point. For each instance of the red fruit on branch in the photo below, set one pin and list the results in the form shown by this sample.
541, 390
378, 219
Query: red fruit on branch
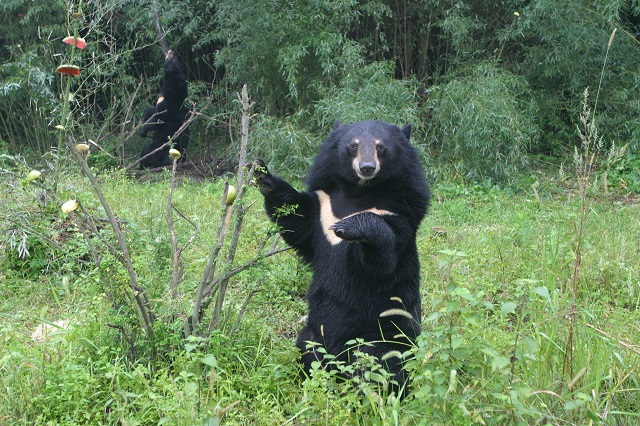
69, 69
80, 43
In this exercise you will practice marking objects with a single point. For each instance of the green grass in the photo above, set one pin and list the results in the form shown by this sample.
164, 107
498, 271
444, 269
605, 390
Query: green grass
496, 296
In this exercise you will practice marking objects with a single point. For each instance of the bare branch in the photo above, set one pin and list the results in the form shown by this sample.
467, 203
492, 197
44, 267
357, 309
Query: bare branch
192, 223
139, 294
160, 30
244, 308
209, 271
164, 145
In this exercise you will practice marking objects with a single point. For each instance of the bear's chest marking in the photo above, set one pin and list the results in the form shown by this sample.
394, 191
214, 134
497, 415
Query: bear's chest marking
328, 219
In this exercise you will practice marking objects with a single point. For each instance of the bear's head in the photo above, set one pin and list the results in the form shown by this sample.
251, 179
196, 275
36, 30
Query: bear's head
171, 64
364, 153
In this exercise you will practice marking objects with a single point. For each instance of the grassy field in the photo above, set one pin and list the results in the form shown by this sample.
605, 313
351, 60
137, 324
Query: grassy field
523, 321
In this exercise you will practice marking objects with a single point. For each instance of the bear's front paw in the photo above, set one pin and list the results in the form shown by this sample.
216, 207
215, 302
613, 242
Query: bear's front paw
351, 228
263, 178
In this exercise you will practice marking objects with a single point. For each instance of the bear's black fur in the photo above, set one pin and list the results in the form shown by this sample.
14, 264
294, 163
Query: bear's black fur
164, 119
356, 226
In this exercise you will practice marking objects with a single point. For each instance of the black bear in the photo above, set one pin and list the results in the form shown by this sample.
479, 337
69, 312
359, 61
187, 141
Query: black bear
164, 119
356, 226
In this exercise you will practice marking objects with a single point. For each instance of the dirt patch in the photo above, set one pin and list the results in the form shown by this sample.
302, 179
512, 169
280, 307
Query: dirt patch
627, 199
197, 168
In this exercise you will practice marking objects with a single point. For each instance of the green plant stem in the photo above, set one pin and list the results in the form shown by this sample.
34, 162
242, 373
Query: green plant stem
175, 276
65, 101
604, 64
585, 164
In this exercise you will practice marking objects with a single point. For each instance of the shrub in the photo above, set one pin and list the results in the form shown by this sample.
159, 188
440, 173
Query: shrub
284, 145
367, 93
370, 92
288, 50
569, 47
483, 123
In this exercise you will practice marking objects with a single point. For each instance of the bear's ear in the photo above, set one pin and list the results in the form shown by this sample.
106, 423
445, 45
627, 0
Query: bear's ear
336, 124
407, 130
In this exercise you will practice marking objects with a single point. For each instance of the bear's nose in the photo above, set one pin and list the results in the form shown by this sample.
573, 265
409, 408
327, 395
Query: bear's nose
367, 168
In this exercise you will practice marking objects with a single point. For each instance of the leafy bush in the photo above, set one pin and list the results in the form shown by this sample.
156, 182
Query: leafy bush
459, 358
369, 93
38, 239
569, 47
26, 101
626, 173
283, 145
288, 50
484, 122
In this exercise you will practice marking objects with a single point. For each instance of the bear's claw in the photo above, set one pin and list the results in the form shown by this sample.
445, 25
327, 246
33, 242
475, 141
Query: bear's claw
263, 178
349, 229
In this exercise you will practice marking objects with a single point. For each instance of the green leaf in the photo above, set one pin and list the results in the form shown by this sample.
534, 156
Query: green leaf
500, 396
210, 360
190, 388
508, 307
473, 320
452, 306
376, 377
433, 317
456, 342
489, 350
213, 421
542, 291
530, 344
593, 416
499, 362
572, 405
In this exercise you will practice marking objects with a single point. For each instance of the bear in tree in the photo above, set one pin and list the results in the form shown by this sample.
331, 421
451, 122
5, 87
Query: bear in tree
356, 225
167, 116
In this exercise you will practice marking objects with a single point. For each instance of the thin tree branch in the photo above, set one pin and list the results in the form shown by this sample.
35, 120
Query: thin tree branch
139, 294
160, 30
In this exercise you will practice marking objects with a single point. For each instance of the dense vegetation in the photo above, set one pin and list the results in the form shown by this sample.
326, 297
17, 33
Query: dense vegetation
150, 299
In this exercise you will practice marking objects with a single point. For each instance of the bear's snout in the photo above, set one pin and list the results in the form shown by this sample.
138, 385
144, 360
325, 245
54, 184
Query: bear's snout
367, 168
366, 163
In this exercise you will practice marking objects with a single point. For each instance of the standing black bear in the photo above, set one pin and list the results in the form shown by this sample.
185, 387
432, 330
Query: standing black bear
356, 225
164, 119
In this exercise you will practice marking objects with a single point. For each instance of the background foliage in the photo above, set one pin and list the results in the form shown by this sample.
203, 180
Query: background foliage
309, 63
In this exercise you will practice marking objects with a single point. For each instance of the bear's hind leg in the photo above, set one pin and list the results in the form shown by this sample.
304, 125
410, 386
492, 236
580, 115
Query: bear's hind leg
307, 344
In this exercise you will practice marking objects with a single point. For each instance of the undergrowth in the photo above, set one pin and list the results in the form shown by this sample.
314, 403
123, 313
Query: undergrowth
495, 285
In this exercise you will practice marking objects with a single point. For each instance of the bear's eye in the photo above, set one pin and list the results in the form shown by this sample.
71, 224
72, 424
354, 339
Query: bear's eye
353, 146
380, 148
